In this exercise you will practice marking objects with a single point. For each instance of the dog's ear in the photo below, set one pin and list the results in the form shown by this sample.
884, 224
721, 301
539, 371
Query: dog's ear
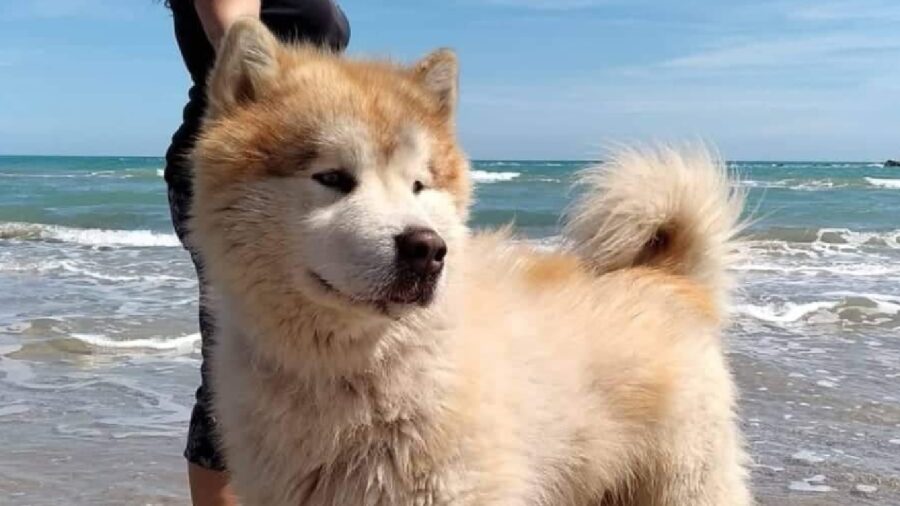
246, 66
438, 73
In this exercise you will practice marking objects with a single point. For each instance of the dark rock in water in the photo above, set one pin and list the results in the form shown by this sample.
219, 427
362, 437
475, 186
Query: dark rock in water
892, 163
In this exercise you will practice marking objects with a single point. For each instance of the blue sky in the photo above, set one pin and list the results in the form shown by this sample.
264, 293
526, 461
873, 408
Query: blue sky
779, 79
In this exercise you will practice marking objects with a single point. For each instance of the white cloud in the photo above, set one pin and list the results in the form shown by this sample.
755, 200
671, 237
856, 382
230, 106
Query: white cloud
872, 10
789, 51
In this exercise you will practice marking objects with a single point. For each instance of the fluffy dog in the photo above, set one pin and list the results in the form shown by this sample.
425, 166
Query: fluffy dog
372, 351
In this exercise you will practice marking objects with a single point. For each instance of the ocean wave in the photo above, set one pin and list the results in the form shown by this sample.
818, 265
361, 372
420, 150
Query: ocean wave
498, 164
889, 304
828, 236
70, 266
86, 236
550, 243
752, 183
184, 344
14, 409
783, 313
483, 176
821, 184
128, 173
883, 183
39, 176
853, 269
845, 308
817, 185
795, 184
111, 174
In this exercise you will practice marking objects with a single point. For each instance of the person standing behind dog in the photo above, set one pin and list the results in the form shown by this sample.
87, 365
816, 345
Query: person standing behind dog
199, 27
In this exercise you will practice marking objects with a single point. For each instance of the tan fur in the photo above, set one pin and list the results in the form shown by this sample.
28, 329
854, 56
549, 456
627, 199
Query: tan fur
531, 379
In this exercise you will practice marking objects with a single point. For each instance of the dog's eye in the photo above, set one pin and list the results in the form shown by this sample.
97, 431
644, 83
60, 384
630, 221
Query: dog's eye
418, 186
337, 179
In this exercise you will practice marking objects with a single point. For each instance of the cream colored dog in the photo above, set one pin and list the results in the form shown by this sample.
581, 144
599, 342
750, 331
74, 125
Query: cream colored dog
371, 351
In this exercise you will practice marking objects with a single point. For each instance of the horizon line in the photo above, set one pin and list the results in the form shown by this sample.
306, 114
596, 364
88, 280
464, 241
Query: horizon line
587, 160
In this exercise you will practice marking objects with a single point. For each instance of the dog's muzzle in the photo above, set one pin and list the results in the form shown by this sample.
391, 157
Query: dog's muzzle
420, 260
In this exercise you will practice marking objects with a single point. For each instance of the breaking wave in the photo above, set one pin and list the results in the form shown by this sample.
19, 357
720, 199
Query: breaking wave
86, 236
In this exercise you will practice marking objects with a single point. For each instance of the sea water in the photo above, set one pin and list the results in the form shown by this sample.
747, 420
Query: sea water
99, 350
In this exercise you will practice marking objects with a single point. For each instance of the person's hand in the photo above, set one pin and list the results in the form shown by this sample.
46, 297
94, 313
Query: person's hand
217, 16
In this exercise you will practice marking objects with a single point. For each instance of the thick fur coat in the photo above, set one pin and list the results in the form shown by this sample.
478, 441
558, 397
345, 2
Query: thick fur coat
590, 376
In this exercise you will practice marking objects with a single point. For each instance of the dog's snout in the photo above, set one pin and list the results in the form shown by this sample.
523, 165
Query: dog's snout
421, 250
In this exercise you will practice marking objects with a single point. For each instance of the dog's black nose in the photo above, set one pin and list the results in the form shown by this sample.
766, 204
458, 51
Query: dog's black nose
421, 250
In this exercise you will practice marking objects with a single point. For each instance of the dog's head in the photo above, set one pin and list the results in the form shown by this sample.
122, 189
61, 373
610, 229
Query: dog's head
337, 179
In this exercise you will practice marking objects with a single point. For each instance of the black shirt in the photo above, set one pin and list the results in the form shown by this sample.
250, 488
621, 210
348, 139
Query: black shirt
318, 21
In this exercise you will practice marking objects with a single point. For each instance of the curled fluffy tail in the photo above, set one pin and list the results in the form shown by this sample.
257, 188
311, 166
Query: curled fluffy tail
671, 208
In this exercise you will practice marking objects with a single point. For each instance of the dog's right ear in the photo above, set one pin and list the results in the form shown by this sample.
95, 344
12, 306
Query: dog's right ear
438, 73
246, 66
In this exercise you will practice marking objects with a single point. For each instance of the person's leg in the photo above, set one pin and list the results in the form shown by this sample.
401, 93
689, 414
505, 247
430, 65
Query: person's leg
210, 488
206, 465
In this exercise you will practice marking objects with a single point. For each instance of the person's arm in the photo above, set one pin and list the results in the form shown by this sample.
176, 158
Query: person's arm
210, 488
217, 16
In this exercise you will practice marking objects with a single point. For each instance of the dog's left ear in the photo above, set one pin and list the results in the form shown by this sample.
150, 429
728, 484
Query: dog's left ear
438, 73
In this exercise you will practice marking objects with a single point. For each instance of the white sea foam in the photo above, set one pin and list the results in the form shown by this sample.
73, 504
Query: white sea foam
21, 373
816, 185
822, 241
793, 184
86, 236
483, 176
14, 409
39, 176
551, 243
111, 174
844, 237
784, 313
806, 486
809, 485
883, 183
888, 304
184, 344
500, 164
160, 172
847, 268
852, 308
75, 268
750, 183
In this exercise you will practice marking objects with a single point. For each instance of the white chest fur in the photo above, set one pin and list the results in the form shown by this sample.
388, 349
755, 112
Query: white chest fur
374, 438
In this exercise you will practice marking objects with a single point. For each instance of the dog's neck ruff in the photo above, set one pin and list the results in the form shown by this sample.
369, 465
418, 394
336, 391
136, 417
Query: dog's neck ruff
316, 342
386, 373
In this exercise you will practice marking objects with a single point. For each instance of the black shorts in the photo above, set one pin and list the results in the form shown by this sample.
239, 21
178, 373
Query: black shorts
317, 21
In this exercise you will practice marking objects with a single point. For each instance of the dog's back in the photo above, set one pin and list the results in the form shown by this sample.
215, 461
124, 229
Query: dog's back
600, 366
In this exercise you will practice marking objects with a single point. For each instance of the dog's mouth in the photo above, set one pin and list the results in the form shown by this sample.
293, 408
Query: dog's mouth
410, 288
404, 289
